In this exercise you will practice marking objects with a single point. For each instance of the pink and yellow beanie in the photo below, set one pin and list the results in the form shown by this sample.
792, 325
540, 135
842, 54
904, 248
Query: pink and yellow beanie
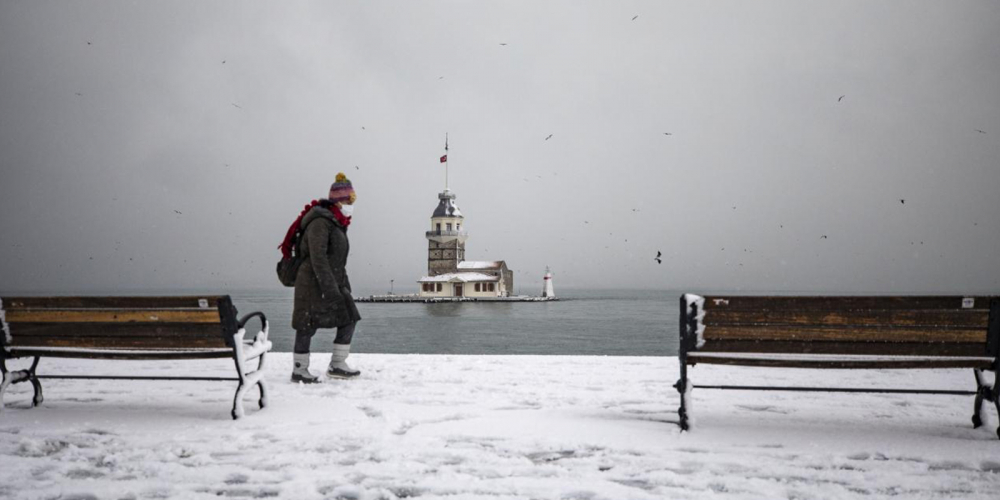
341, 189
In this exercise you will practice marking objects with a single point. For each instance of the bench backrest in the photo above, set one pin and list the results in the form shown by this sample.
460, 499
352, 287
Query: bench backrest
117, 323
922, 326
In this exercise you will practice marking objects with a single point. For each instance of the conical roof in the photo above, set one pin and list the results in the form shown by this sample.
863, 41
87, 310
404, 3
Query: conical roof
446, 205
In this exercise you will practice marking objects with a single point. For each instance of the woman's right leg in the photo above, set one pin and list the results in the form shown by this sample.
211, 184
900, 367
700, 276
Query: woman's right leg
303, 339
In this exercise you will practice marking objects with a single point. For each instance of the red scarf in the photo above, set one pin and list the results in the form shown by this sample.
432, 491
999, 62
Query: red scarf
286, 244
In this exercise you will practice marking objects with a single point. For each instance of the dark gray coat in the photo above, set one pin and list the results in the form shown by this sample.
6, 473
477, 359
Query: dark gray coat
322, 290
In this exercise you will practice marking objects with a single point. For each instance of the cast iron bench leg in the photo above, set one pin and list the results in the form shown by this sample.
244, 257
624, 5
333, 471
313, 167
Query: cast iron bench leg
977, 420
18, 376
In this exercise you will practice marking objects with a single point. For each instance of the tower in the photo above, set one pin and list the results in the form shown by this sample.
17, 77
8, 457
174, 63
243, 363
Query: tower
446, 239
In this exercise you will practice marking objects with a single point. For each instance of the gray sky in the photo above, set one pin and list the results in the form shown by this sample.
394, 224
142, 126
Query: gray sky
115, 116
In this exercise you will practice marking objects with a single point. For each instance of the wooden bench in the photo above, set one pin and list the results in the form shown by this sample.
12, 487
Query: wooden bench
131, 328
842, 332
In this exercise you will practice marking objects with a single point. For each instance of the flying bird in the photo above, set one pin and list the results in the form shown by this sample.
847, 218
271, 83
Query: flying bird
668, 133
634, 18
223, 61
549, 137
88, 43
237, 105
176, 212
357, 167
902, 201
980, 131
79, 94
823, 237
657, 258
841, 98
502, 43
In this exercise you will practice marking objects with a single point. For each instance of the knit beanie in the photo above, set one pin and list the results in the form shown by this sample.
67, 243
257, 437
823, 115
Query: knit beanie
342, 189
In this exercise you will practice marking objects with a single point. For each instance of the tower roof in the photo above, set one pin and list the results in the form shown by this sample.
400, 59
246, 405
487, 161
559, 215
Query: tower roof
446, 205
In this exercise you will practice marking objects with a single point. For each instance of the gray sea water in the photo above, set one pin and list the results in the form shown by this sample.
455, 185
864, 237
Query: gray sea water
582, 322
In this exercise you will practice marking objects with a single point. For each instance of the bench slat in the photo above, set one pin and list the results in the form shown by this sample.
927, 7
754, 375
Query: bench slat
191, 301
148, 342
882, 333
127, 354
112, 315
942, 350
972, 318
985, 363
834, 303
29, 333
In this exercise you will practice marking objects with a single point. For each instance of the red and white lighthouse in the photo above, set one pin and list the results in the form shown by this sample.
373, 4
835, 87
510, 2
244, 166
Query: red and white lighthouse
547, 291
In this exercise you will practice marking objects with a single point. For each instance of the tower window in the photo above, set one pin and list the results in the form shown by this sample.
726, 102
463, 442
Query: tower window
492, 289
439, 287
439, 227
477, 287
449, 226
458, 227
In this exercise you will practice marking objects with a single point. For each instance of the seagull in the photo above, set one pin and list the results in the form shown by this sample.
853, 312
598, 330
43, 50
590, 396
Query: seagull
88, 43
237, 105
841, 98
357, 167
79, 94
823, 237
223, 61
902, 201
657, 258
502, 43
980, 131
668, 133
634, 18
549, 137
176, 212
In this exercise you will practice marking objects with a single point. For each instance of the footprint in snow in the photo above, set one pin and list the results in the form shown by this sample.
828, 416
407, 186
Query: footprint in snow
237, 478
370, 412
549, 456
764, 409
84, 474
990, 466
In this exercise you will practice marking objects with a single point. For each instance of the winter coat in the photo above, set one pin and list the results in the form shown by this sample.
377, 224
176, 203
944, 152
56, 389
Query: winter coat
322, 290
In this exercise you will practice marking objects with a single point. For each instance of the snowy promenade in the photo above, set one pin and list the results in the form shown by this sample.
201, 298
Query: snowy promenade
493, 427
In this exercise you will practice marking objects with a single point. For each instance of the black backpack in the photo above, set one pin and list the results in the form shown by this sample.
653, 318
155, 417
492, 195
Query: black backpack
288, 268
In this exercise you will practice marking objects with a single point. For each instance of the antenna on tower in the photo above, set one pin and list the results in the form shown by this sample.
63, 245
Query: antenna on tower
445, 161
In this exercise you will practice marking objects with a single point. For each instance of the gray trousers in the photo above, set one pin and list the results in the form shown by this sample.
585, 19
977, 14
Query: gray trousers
303, 338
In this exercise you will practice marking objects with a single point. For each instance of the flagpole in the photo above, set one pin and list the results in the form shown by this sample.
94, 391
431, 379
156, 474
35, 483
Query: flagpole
446, 161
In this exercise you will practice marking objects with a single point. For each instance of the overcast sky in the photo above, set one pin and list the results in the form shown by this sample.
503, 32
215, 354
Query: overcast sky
168, 145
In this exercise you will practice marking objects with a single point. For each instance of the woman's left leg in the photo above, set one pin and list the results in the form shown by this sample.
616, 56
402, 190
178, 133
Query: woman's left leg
341, 350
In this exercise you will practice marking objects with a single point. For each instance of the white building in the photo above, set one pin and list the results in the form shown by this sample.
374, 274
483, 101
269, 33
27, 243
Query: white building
448, 273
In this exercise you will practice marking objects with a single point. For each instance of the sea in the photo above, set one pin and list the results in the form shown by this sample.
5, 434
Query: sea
581, 322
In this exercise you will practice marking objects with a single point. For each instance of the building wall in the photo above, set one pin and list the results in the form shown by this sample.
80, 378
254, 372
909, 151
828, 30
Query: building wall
469, 290
508, 278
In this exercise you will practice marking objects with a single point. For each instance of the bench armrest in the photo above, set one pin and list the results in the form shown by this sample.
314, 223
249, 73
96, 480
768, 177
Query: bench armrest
262, 334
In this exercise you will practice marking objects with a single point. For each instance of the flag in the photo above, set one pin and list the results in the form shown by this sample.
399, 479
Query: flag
444, 158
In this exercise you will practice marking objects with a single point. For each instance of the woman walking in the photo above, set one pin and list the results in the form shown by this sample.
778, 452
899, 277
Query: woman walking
322, 289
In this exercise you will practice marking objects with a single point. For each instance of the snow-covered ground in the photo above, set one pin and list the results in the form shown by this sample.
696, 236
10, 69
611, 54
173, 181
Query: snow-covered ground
493, 427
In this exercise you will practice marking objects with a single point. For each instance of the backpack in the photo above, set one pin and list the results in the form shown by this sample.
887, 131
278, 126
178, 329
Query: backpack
288, 267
